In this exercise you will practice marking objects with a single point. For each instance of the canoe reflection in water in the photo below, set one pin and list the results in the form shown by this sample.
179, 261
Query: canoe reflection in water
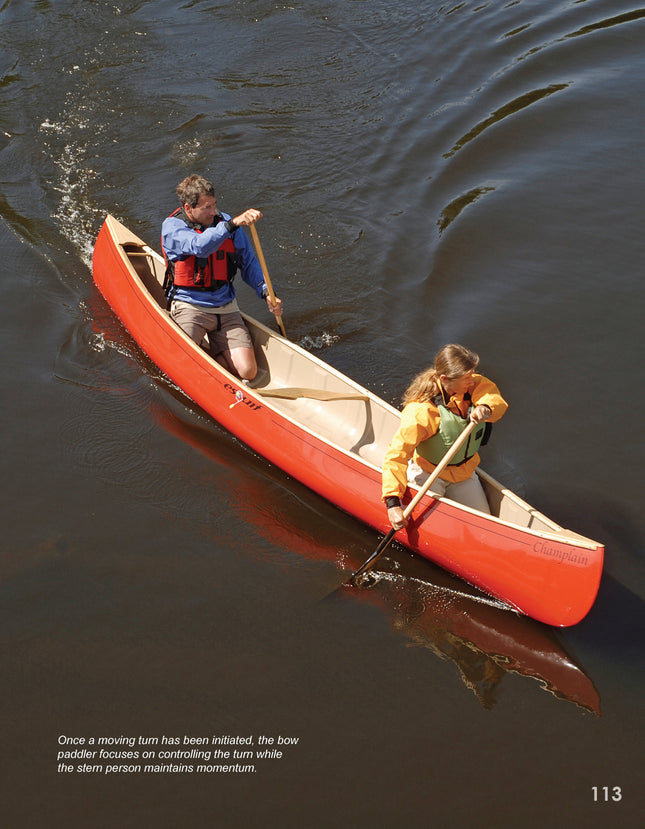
485, 640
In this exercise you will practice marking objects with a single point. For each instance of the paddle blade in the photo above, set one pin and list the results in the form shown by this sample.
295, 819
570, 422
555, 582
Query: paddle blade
371, 561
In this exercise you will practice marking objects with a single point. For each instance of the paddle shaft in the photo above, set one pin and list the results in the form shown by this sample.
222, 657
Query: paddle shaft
265, 273
450, 454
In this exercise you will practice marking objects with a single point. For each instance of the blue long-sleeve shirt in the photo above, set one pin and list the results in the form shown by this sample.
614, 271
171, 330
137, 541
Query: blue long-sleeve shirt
179, 241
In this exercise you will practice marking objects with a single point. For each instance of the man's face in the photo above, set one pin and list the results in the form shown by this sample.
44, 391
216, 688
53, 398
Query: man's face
204, 211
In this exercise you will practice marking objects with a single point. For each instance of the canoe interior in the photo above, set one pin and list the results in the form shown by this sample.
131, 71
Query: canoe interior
362, 427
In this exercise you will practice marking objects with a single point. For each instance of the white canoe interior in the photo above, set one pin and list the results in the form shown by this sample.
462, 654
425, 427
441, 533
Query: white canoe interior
323, 401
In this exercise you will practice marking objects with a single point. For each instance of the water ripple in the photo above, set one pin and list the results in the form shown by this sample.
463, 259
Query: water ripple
513, 107
618, 20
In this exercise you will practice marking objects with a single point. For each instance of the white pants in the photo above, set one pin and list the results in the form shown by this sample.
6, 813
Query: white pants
470, 492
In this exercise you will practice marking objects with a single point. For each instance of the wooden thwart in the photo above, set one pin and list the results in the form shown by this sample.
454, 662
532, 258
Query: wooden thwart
295, 392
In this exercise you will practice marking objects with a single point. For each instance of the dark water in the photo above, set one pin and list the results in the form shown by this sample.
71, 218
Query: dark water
428, 172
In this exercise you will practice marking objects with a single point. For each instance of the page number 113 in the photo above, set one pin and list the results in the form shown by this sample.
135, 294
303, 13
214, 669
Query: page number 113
606, 793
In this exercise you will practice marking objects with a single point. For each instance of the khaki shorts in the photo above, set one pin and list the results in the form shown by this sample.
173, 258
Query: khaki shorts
470, 492
225, 331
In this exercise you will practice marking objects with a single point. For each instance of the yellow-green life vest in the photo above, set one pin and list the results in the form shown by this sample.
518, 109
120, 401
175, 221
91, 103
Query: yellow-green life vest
451, 426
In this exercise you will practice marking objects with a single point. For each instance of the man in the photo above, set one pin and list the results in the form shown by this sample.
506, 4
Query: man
204, 249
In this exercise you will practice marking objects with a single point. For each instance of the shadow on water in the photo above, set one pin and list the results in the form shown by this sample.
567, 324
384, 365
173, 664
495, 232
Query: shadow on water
485, 641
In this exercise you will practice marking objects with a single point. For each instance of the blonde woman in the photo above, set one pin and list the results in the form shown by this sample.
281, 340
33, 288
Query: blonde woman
438, 405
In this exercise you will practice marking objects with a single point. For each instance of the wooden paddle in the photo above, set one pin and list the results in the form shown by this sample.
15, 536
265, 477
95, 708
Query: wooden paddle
265, 272
463, 437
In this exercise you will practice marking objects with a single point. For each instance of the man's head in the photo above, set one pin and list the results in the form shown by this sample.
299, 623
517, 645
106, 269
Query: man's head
197, 196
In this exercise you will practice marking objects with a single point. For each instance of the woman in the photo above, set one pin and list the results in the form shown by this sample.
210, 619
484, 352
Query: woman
437, 407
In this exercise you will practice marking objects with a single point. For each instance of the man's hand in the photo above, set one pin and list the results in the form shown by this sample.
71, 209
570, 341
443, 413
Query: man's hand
275, 308
249, 217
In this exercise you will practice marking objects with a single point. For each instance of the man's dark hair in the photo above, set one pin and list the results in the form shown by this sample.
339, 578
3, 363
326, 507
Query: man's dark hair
192, 187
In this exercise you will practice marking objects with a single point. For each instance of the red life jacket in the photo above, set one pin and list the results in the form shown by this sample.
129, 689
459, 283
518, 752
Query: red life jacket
198, 273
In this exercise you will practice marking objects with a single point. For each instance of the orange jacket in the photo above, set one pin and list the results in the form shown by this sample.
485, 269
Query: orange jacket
420, 421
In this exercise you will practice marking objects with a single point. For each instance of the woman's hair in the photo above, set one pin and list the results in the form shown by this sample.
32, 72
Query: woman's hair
452, 360
192, 187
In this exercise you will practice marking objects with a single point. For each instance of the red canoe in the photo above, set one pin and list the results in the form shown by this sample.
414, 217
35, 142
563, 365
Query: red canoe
331, 434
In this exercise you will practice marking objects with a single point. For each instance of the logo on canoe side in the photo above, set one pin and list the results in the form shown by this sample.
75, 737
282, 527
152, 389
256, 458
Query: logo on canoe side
562, 553
240, 398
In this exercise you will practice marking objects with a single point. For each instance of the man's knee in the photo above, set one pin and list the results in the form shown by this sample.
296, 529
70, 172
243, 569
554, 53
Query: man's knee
244, 362
248, 373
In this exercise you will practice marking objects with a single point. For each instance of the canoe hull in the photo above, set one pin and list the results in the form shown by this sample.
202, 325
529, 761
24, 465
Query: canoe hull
553, 578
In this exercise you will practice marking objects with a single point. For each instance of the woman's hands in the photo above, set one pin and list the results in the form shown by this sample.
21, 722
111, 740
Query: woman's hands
396, 518
480, 413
